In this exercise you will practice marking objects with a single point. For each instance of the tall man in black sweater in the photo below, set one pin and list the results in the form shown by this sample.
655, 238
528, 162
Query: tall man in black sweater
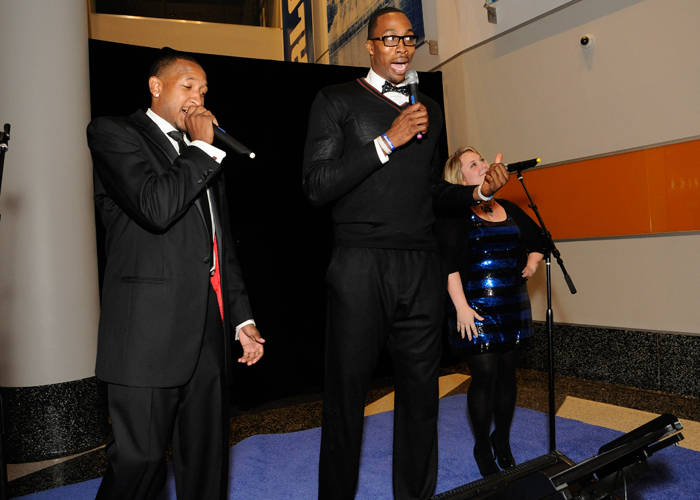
385, 282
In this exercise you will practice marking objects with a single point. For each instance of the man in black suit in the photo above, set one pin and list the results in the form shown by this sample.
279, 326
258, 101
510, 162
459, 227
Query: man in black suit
374, 157
172, 293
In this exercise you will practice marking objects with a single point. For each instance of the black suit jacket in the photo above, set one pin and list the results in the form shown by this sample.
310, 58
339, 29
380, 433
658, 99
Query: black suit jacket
158, 253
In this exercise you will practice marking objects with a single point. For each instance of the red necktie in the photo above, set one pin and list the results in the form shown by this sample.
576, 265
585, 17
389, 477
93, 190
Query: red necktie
215, 280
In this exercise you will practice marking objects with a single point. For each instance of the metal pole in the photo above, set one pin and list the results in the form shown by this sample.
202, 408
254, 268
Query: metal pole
550, 344
551, 250
4, 139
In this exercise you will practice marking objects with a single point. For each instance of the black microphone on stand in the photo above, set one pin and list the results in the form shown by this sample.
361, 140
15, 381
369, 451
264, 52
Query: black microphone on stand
412, 82
4, 137
519, 166
225, 139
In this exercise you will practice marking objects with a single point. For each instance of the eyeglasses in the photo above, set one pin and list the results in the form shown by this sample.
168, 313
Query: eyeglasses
393, 40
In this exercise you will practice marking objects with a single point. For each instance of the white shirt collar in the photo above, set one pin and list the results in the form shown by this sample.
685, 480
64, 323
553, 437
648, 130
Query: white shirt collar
377, 81
162, 123
165, 127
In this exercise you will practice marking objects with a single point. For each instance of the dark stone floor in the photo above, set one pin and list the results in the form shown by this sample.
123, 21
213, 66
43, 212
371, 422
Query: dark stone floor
304, 412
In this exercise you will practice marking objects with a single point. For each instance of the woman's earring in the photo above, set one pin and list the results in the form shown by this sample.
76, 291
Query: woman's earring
157, 95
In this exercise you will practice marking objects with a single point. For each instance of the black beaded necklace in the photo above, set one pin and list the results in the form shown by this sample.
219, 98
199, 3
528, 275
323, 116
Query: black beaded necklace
485, 206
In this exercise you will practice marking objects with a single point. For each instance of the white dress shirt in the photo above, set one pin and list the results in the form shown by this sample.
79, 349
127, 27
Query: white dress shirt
398, 98
217, 155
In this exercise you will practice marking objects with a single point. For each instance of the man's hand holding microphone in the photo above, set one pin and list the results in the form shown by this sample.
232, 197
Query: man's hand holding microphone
495, 178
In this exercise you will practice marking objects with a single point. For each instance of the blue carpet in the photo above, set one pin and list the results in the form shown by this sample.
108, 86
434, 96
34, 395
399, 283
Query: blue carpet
284, 466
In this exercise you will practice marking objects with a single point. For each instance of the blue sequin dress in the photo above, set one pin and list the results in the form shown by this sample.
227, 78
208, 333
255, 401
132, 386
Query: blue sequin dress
490, 258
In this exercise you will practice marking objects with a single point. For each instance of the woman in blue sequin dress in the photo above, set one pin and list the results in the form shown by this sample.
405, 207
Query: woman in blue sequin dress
489, 254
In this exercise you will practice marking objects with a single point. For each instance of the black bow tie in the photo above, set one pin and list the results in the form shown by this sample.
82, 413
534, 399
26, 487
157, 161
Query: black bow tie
179, 138
388, 87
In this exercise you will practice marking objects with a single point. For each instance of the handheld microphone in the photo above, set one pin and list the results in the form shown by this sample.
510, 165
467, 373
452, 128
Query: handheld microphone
235, 146
519, 166
4, 137
412, 82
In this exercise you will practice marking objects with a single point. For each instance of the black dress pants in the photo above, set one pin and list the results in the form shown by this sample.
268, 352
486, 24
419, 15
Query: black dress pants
378, 298
195, 416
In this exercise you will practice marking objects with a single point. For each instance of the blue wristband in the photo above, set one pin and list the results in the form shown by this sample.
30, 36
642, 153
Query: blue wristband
388, 142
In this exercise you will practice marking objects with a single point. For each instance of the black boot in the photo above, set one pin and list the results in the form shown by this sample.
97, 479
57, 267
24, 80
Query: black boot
503, 454
485, 461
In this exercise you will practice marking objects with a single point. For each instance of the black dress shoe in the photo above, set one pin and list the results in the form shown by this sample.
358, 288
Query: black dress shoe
503, 454
485, 461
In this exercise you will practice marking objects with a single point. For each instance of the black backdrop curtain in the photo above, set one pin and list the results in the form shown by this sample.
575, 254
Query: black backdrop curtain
283, 243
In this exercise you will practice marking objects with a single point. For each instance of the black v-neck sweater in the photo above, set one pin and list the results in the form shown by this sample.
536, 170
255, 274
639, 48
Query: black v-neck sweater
374, 205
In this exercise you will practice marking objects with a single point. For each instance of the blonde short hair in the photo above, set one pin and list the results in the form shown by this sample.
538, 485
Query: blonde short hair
453, 167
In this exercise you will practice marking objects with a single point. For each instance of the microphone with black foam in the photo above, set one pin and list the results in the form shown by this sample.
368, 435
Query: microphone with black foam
412, 82
519, 166
235, 146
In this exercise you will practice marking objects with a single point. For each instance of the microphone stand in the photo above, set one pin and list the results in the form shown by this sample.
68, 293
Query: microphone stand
549, 251
3, 466
4, 139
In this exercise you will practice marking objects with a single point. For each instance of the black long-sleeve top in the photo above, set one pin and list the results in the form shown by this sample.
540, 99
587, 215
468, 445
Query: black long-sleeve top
452, 234
375, 205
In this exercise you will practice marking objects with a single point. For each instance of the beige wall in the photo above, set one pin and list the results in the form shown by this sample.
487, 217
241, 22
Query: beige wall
535, 92
458, 24
646, 283
191, 36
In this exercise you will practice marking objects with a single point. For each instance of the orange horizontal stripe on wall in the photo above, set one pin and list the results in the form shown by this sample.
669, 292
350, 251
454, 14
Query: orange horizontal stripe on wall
656, 190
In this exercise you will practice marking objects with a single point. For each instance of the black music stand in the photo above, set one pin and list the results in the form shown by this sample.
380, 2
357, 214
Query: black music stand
555, 477
620, 459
